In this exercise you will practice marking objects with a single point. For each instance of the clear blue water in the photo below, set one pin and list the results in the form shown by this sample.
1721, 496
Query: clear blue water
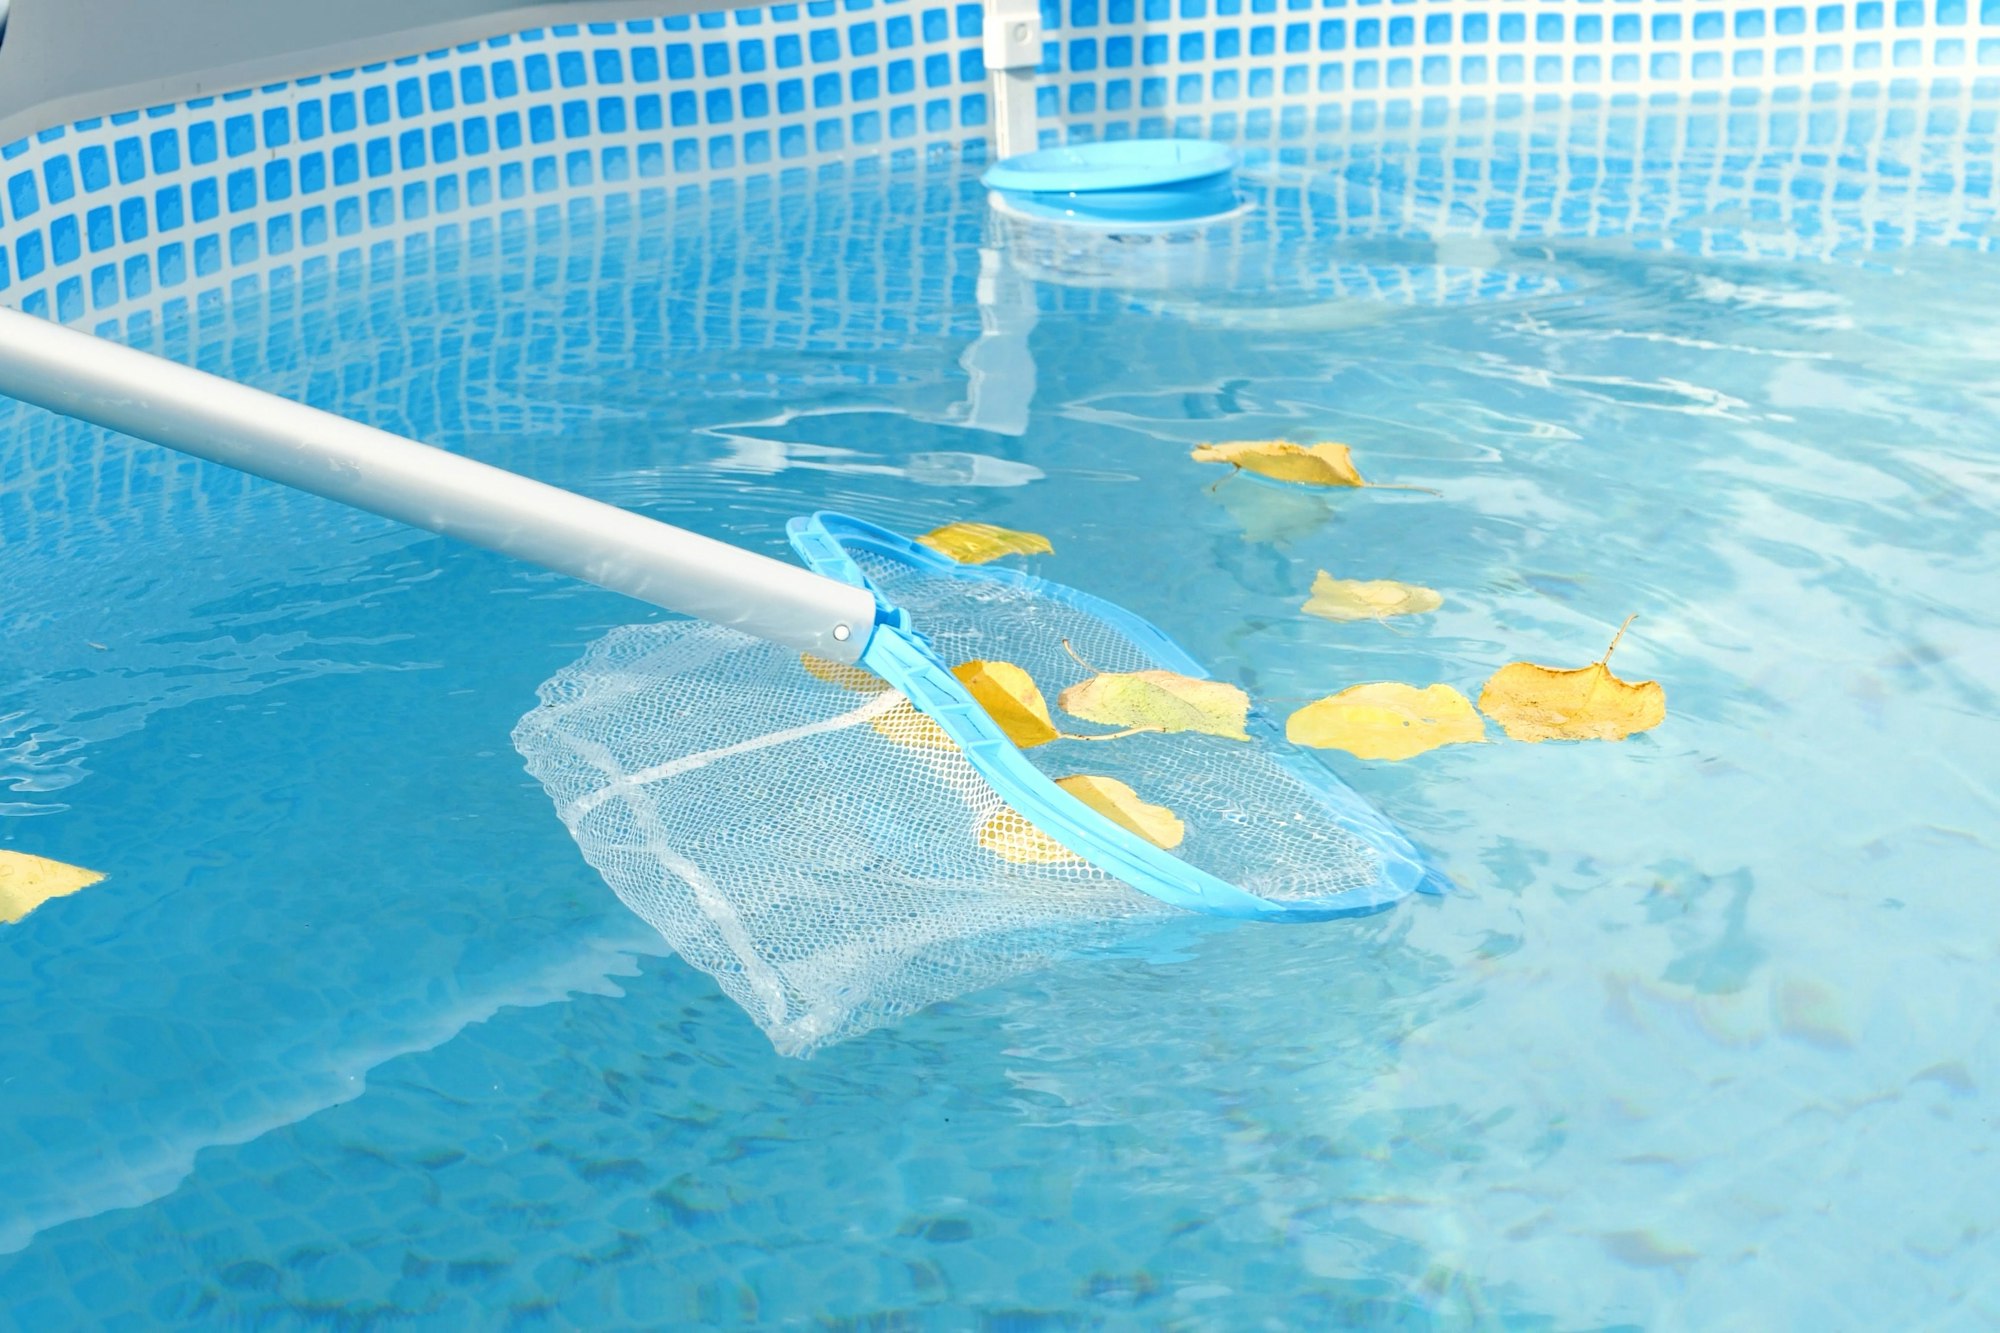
351, 1037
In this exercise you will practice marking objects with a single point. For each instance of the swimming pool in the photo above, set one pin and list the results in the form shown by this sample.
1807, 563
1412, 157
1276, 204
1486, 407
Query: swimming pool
351, 1035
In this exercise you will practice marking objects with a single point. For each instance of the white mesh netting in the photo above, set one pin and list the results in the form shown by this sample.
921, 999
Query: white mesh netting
1262, 816
815, 845
828, 877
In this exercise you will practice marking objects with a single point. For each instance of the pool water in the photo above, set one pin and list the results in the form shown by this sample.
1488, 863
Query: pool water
351, 1036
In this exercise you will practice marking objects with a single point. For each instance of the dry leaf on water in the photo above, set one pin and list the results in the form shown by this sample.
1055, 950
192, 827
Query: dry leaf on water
1007, 693
1281, 460
1300, 464
904, 725
1538, 703
1010, 697
1158, 701
1011, 837
1008, 835
26, 882
1386, 720
1124, 807
1368, 599
858, 679
977, 543
1024, 717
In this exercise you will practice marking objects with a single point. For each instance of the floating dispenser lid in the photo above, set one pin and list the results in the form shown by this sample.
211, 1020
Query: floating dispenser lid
1163, 180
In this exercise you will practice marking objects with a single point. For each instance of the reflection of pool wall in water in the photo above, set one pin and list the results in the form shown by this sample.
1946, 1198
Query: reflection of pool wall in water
1822, 174
1752, 176
86, 517
764, 276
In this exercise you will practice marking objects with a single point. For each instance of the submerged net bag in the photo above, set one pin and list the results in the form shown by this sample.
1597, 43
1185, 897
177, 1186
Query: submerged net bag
836, 857
828, 877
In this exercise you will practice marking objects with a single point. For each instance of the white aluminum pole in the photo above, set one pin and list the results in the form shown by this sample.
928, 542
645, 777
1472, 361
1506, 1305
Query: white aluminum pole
96, 380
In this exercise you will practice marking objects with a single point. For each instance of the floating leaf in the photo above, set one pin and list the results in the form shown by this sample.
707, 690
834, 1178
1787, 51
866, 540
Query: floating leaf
26, 882
1281, 460
904, 725
1538, 703
977, 543
1124, 807
1009, 835
1368, 599
1158, 701
1386, 720
1010, 698
1300, 464
855, 678
1007, 693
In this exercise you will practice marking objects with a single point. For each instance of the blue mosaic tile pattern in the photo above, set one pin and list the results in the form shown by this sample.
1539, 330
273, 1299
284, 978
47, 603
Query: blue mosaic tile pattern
1142, 68
166, 208
180, 204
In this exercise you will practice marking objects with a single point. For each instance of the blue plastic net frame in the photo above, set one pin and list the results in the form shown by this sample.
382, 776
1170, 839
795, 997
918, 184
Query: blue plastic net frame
898, 651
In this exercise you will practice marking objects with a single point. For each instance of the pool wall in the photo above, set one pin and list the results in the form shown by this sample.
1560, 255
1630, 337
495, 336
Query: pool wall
151, 211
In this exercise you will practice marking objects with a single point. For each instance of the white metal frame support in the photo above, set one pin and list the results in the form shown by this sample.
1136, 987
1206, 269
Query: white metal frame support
1013, 50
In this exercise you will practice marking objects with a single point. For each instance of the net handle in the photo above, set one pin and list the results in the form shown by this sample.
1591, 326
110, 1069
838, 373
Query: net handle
109, 384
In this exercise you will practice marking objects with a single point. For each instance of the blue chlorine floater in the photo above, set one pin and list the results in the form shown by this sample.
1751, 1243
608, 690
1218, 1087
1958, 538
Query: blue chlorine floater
1134, 180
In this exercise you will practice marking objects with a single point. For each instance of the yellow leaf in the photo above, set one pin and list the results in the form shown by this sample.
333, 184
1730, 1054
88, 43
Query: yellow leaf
1009, 835
904, 725
1010, 698
26, 882
1281, 460
1159, 701
1368, 599
1538, 703
1124, 807
1386, 720
841, 674
1005, 691
977, 543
